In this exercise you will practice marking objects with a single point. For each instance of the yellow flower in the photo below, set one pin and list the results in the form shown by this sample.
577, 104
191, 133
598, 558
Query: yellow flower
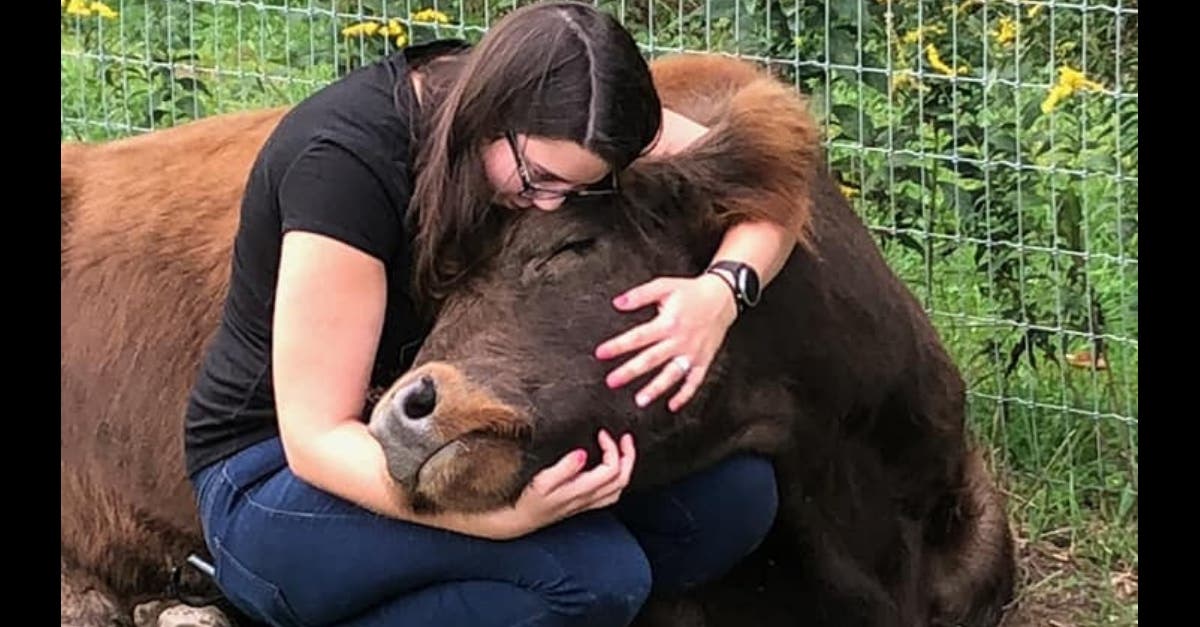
901, 80
103, 10
935, 60
370, 29
1057, 94
1077, 80
362, 29
914, 36
1006, 31
430, 15
1032, 11
1069, 81
395, 29
847, 191
905, 78
78, 7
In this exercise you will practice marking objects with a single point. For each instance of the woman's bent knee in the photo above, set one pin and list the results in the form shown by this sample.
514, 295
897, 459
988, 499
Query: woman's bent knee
735, 507
753, 489
700, 527
602, 576
586, 571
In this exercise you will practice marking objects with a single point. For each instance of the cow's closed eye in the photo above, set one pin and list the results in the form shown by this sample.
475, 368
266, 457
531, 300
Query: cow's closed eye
558, 260
579, 246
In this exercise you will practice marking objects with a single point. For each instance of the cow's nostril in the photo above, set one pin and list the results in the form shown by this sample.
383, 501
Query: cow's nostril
421, 399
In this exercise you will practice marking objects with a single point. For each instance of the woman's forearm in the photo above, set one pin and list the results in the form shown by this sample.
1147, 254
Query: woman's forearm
764, 245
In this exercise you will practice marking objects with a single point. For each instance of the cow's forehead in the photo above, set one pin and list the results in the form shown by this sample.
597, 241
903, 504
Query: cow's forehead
534, 230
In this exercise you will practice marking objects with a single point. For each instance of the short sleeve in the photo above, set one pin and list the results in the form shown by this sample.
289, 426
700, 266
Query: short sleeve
329, 190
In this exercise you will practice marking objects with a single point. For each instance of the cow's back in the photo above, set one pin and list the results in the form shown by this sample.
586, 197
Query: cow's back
147, 230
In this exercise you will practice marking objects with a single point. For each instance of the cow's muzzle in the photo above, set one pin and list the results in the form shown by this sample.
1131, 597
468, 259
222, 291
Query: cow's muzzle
450, 443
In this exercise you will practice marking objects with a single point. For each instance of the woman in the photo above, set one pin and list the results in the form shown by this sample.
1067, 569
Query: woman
369, 201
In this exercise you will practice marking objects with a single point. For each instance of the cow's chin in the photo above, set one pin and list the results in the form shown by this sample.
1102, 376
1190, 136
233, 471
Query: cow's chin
474, 473
449, 443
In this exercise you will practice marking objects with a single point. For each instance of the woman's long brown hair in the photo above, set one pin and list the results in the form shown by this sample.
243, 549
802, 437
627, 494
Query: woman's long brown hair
559, 70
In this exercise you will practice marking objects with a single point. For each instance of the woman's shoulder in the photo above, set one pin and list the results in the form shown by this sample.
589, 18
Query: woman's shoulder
417, 55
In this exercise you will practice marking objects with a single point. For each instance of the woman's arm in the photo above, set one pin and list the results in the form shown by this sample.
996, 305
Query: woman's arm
329, 311
694, 313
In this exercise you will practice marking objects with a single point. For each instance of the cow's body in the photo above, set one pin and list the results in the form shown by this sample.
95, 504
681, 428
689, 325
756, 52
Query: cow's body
147, 229
837, 374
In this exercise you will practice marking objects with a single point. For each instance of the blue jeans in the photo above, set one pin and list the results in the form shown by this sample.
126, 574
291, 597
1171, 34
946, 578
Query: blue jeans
289, 554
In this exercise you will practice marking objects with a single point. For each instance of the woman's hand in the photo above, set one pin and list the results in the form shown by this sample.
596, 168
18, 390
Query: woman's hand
694, 315
562, 490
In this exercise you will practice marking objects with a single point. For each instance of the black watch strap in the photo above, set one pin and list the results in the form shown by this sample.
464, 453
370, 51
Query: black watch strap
729, 279
741, 278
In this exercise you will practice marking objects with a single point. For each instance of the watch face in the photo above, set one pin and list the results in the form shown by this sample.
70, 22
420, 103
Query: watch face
749, 286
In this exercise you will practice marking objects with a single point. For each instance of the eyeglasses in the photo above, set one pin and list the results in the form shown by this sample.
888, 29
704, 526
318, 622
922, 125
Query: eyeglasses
533, 192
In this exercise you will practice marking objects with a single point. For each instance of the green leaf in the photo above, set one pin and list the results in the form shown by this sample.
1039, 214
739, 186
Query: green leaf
844, 9
190, 84
1003, 142
1128, 500
876, 80
843, 47
1070, 218
1098, 161
190, 106
908, 241
1028, 201
965, 169
1031, 112
846, 115
901, 137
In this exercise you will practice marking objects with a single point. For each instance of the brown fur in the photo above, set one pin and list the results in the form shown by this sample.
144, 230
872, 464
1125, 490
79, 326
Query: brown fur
147, 229
963, 567
763, 122
147, 225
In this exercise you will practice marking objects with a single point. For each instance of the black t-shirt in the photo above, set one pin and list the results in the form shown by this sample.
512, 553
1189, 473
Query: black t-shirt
337, 164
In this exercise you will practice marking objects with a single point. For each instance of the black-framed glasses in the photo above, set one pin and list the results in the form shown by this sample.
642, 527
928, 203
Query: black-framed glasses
533, 192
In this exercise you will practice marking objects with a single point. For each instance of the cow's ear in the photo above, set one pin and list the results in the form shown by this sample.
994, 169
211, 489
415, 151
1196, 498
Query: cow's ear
762, 159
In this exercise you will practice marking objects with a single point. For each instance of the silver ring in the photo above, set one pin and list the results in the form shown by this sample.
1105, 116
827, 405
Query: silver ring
683, 363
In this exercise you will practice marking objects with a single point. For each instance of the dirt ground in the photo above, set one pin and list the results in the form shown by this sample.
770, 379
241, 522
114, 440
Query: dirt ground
1058, 590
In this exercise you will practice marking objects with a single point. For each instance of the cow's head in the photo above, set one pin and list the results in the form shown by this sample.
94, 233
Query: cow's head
507, 382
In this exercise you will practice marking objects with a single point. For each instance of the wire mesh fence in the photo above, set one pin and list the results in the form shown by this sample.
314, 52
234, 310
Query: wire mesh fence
990, 145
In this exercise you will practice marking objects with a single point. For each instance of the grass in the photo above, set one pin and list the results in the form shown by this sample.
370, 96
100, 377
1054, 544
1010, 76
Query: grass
1016, 227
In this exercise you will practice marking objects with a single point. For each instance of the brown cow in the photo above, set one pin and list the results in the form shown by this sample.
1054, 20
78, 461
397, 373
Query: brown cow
889, 515
147, 226
147, 230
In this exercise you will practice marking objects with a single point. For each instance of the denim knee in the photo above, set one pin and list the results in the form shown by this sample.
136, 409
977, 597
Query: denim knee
605, 579
750, 488
748, 504
700, 527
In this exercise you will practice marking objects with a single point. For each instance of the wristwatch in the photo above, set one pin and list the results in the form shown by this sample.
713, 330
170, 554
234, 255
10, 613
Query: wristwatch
741, 278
